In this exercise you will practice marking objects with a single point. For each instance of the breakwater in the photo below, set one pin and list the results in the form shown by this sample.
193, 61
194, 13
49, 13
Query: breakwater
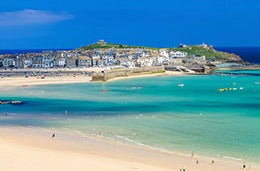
126, 72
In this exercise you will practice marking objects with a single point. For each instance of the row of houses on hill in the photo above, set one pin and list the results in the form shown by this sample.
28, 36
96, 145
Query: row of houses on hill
128, 57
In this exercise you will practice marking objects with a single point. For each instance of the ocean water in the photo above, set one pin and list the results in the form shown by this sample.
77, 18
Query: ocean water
173, 113
250, 54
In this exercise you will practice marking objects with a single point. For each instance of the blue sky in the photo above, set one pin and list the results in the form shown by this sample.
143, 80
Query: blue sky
70, 24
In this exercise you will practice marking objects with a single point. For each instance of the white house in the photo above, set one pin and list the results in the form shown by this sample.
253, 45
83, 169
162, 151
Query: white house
127, 63
161, 59
63, 54
178, 54
27, 63
8, 62
96, 60
47, 62
108, 60
130, 64
61, 62
164, 53
145, 61
37, 62
200, 58
84, 61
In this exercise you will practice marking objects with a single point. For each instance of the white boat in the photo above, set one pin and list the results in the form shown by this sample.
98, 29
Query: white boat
180, 85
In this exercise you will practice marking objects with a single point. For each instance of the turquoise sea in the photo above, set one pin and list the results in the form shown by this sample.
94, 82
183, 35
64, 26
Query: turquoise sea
173, 113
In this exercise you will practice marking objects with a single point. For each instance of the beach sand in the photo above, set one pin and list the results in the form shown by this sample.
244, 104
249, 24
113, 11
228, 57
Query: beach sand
22, 81
67, 79
30, 149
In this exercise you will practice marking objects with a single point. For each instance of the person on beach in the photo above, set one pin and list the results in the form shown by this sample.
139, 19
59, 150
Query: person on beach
98, 133
53, 135
192, 154
244, 165
182, 169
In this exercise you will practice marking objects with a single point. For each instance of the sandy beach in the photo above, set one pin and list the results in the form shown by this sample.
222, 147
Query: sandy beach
54, 76
22, 81
67, 79
31, 149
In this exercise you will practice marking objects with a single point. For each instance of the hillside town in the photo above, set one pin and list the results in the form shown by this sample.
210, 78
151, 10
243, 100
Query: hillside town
129, 57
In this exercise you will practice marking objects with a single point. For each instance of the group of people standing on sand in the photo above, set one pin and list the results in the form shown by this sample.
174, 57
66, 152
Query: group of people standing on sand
244, 166
197, 161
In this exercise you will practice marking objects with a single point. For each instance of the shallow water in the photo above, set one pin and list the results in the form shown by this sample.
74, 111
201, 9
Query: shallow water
156, 112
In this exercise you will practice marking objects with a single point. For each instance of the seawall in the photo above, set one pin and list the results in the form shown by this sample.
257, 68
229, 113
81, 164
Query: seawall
126, 72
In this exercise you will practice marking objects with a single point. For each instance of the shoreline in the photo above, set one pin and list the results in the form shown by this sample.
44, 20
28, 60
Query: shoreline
34, 148
79, 77
23, 81
26, 77
15, 81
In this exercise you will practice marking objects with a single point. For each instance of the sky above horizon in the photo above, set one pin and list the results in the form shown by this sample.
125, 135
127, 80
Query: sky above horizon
31, 24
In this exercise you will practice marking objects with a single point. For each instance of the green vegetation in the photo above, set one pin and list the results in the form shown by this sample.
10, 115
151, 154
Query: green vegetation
109, 45
209, 52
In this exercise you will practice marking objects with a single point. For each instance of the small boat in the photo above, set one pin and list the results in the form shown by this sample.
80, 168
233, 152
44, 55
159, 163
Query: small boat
221, 89
136, 87
16, 102
104, 90
181, 85
43, 76
139, 87
229, 89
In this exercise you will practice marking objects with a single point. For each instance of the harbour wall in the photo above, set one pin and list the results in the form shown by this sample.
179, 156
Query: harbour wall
126, 72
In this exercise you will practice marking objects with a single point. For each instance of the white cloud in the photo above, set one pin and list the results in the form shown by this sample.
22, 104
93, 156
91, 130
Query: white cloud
30, 17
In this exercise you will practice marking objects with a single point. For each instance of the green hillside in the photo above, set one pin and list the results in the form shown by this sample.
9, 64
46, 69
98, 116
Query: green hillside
201, 50
109, 45
209, 52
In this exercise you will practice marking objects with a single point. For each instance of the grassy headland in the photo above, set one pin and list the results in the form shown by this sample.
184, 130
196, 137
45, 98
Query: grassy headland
116, 46
209, 52
194, 50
